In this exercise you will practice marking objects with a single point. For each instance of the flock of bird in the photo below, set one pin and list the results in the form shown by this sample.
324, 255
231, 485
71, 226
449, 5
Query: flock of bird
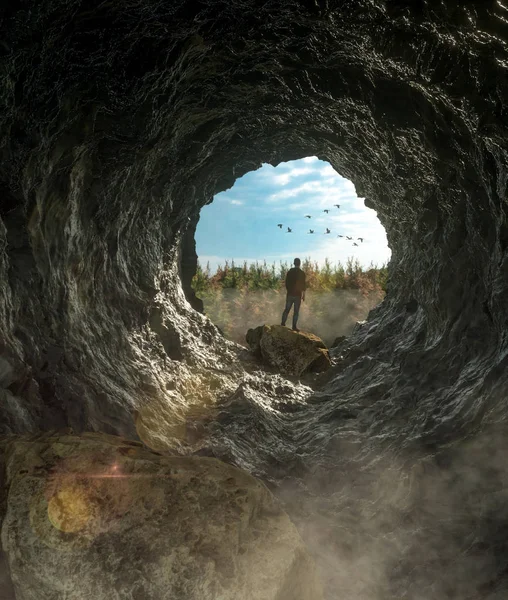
327, 231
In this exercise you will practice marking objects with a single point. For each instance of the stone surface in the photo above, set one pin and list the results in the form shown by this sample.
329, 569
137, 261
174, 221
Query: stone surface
290, 352
105, 161
338, 340
100, 517
120, 120
253, 339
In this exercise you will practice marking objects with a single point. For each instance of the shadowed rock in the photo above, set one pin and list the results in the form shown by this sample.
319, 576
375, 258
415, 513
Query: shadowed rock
100, 517
291, 352
106, 162
338, 340
119, 121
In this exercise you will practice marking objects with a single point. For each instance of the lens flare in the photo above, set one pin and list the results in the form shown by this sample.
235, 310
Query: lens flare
178, 416
158, 423
70, 509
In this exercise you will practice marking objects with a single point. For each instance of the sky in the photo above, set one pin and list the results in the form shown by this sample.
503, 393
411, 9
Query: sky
241, 223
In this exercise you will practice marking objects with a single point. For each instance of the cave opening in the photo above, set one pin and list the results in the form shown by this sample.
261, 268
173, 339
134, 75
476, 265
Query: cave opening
247, 238
117, 126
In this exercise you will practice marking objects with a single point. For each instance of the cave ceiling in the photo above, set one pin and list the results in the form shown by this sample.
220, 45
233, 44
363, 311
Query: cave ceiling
120, 120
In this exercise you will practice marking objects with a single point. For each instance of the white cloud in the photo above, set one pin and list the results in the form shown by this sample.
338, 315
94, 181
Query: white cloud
328, 171
285, 178
288, 199
300, 206
374, 247
321, 193
308, 186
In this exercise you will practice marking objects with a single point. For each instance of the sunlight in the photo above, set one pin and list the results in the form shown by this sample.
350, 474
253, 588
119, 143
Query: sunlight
248, 237
298, 208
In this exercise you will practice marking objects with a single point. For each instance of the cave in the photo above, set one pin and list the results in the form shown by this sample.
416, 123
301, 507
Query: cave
248, 237
118, 123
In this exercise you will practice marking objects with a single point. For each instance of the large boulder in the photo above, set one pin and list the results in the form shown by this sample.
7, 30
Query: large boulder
100, 517
290, 352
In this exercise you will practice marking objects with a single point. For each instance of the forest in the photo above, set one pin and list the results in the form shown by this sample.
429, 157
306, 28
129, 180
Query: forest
338, 295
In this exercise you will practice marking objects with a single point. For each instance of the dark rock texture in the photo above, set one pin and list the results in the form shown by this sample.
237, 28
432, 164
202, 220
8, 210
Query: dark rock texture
119, 120
290, 352
114, 134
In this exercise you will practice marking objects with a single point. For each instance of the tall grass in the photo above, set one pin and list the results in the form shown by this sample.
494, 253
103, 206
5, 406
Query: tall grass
239, 297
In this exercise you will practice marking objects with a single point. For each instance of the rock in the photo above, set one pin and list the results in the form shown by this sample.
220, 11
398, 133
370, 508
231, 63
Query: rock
253, 338
338, 340
6, 372
108, 153
100, 517
357, 326
98, 210
291, 352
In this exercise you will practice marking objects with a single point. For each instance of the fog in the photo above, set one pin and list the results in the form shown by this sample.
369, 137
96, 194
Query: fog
326, 314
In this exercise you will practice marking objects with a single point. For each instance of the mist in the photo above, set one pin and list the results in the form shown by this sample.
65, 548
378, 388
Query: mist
327, 314
385, 513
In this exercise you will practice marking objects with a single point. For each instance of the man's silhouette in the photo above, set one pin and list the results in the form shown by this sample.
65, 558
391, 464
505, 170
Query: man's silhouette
295, 286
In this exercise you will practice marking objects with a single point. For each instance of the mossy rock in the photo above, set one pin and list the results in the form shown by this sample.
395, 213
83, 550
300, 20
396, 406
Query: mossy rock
96, 516
290, 352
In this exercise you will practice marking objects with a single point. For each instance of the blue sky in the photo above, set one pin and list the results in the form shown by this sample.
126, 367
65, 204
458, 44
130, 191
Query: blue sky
241, 223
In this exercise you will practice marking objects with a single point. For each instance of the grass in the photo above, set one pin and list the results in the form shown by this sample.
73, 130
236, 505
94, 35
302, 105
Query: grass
237, 298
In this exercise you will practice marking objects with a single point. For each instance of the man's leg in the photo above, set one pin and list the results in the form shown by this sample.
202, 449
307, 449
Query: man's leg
289, 303
296, 312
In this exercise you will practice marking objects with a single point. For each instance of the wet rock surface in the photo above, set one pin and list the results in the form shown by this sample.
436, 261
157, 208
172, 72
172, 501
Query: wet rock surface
119, 121
98, 516
290, 352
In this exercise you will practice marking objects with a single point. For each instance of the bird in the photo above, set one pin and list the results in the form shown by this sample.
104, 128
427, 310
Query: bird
327, 230
348, 238
279, 225
361, 239
340, 236
308, 217
326, 210
355, 244
337, 205
311, 230
289, 230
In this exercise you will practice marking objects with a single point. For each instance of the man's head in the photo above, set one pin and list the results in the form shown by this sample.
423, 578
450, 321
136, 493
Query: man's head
297, 262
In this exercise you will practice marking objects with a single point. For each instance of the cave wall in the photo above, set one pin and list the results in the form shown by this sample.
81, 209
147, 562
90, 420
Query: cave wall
118, 123
119, 120
189, 264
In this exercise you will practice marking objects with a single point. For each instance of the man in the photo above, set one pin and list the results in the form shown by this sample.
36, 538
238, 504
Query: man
295, 286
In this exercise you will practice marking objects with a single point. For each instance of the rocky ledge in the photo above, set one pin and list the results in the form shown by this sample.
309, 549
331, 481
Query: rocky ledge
290, 352
97, 516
